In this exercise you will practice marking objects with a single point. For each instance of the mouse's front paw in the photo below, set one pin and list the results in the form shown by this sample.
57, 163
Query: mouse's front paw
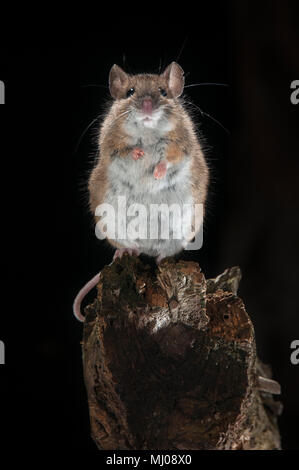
160, 170
137, 153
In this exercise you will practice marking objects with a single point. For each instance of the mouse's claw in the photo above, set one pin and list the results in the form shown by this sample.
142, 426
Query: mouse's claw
160, 170
137, 153
159, 258
129, 251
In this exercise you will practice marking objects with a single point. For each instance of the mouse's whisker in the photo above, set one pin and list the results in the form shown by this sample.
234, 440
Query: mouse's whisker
203, 113
94, 85
207, 84
84, 132
121, 114
160, 66
89, 126
182, 48
216, 121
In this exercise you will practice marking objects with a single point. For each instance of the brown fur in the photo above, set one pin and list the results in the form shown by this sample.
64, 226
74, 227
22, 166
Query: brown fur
182, 140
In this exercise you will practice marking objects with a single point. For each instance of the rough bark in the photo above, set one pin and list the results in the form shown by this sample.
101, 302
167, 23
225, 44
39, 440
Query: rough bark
170, 362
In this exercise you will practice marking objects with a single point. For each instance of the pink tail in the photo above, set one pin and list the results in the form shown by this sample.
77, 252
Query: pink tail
81, 294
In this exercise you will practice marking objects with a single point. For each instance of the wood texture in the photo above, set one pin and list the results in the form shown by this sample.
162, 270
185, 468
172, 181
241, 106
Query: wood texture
170, 362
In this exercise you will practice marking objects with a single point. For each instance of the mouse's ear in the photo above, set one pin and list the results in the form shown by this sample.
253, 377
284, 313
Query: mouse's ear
118, 80
174, 75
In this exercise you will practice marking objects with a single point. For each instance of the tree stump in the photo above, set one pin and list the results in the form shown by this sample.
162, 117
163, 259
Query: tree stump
170, 362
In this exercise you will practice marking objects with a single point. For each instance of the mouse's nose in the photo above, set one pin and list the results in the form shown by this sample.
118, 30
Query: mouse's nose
147, 105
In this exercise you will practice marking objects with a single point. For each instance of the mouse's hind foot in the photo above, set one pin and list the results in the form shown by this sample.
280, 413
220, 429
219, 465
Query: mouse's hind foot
128, 251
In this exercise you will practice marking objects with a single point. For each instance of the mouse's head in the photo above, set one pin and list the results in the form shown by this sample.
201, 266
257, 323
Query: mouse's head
149, 97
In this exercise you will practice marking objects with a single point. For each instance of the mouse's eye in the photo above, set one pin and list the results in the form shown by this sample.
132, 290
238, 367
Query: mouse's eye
130, 92
163, 92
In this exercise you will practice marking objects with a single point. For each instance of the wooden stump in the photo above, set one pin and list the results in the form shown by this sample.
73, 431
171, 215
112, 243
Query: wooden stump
170, 362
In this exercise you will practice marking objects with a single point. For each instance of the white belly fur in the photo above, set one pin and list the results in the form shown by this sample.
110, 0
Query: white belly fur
135, 180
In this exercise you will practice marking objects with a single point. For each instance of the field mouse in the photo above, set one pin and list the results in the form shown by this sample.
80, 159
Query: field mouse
149, 153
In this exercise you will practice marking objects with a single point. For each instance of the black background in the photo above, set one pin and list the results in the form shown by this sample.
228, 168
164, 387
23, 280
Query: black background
50, 250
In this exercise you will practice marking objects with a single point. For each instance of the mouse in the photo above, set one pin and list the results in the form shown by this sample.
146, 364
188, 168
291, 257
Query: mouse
150, 155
